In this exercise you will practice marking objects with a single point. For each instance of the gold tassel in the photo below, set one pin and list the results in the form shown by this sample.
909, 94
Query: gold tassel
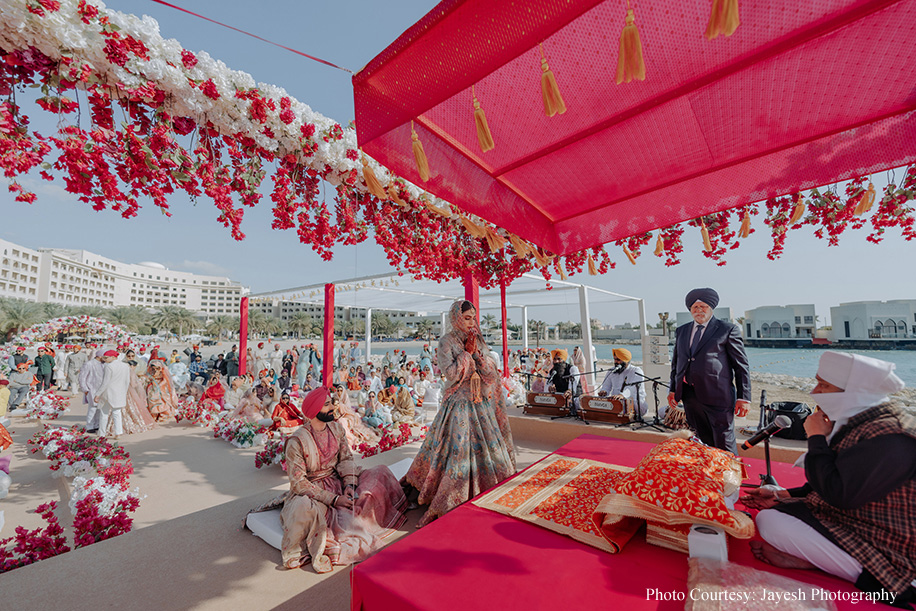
723, 18
440, 211
475, 388
592, 270
866, 201
419, 155
745, 225
372, 182
562, 273
550, 91
540, 257
659, 245
394, 195
630, 64
629, 254
495, 241
484, 137
521, 247
706, 243
798, 212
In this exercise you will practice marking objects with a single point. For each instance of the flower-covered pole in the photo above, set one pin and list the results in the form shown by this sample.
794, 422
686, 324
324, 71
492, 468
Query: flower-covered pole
243, 336
328, 361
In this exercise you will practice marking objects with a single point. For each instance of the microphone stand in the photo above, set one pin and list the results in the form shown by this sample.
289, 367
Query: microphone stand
656, 423
765, 478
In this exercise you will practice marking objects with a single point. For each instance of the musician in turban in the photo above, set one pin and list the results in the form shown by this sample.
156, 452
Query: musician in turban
625, 381
564, 378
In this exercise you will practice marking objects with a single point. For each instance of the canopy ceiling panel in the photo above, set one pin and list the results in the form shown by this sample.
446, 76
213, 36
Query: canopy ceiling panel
803, 94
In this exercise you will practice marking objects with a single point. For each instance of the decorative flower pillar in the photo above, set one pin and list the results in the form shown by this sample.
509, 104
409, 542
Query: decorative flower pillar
243, 335
328, 363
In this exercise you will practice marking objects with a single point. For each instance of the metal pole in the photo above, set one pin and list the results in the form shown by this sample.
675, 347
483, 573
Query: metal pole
586, 332
243, 335
525, 329
368, 337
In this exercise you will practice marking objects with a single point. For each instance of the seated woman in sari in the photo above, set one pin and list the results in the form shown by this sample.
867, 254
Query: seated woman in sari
352, 380
214, 396
249, 409
234, 394
309, 384
377, 415
286, 415
404, 408
160, 394
335, 512
354, 429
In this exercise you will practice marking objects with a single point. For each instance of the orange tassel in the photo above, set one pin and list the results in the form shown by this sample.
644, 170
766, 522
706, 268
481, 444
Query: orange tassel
395, 196
706, 243
723, 18
592, 270
798, 212
550, 91
475, 388
745, 230
629, 254
630, 64
520, 246
659, 245
372, 181
419, 155
484, 137
866, 201
440, 211
560, 269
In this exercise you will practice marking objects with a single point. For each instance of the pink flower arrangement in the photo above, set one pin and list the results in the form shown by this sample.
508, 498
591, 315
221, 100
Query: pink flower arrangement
46, 405
392, 437
30, 546
272, 454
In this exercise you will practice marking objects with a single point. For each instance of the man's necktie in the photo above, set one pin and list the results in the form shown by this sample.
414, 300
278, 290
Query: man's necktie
696, 339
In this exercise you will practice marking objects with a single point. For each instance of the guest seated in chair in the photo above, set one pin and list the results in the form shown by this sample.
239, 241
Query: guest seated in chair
855, 518
335, 512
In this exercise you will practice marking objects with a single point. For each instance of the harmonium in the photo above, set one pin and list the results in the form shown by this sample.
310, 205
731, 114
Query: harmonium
546, 404
603, 409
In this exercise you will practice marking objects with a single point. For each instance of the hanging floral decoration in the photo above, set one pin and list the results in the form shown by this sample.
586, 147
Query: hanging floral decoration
141, 117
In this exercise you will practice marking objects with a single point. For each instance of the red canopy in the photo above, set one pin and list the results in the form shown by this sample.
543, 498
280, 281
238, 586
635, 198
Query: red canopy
803, 94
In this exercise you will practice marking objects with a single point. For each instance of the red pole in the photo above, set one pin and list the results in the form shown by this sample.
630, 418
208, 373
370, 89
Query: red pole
472, 291
328, 362
243, 334
502, 297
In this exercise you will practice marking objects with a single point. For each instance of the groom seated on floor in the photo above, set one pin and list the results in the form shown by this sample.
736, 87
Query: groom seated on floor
855, 518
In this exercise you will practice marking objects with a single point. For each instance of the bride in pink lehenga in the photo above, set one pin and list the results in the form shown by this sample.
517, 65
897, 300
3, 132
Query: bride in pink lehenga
137, 418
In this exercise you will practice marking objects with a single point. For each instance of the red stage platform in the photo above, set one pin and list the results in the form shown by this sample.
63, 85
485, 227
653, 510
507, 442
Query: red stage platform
473, 558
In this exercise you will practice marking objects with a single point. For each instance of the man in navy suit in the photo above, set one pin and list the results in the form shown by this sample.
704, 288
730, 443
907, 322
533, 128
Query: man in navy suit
709, 372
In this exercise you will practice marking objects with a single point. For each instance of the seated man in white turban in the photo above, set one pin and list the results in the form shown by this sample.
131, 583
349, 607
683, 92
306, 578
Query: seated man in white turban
856, 516
625, 381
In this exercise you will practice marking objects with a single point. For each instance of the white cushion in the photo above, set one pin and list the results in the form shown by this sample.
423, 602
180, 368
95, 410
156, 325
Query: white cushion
266, 525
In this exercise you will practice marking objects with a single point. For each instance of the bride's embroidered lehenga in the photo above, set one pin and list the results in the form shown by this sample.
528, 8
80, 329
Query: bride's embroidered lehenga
468, 447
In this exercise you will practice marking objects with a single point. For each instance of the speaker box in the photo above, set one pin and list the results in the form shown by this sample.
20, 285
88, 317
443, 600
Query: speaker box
797, 412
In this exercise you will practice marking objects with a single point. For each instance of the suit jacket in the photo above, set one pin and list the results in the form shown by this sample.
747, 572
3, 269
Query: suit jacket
115, 382
718, 368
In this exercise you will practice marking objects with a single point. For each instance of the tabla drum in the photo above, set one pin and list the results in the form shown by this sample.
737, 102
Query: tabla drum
675, 419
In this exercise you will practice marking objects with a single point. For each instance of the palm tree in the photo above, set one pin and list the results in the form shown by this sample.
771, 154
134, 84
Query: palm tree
425, 327
258, 322
173, 318
52, 310
381, 324
300, 323
129, 317
221, 323
18, 314
487, 320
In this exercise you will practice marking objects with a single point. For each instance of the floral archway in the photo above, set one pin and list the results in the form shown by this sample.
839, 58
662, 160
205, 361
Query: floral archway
88, 328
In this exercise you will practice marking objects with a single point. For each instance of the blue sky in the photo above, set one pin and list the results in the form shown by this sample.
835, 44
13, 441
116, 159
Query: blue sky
350, 33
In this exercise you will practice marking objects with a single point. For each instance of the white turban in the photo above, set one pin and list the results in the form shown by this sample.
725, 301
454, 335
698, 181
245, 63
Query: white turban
866, 382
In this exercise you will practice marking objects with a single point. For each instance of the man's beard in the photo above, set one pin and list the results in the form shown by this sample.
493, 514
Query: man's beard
326, 416
619, 368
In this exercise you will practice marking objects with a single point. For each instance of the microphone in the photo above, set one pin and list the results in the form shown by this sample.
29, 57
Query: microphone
779, 423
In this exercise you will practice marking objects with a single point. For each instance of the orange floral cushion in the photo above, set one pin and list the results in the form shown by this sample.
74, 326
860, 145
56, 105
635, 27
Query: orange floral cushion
684, 477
